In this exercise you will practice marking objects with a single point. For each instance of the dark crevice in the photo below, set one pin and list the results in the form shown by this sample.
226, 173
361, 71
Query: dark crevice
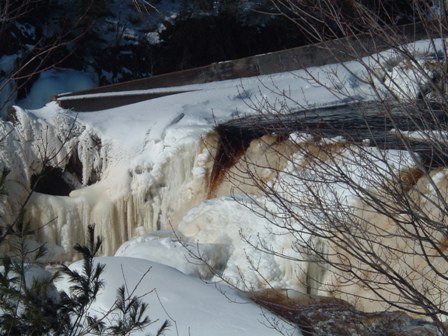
52, 181
58, 181
74, 165
232, 144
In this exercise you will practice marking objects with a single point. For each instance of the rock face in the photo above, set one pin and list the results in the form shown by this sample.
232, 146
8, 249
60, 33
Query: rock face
118, 41
325, 316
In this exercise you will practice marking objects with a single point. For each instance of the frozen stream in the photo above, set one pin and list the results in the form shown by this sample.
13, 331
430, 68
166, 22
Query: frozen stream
149, 176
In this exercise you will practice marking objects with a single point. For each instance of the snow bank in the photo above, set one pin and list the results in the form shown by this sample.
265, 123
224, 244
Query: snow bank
192, 306
177, 251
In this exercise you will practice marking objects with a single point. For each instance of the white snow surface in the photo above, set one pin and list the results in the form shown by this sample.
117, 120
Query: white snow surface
192, 306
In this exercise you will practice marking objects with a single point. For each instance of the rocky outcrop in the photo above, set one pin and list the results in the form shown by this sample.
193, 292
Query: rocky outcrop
325, 316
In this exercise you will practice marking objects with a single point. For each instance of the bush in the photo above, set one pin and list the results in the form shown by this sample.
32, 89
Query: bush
363, 192
31, 304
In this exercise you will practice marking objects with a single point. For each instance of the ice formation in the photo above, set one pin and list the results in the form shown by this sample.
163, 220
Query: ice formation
125, 202
141, 174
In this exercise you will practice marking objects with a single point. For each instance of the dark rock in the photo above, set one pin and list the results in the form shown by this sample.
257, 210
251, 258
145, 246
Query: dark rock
201, 41
53, 181
325, 316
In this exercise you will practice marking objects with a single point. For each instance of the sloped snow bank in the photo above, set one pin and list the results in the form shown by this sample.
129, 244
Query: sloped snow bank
175, 250
192, 306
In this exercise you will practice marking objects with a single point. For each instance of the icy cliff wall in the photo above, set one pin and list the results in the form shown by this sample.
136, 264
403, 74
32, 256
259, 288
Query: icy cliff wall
122, 210
162, 184
28, 144
123, 197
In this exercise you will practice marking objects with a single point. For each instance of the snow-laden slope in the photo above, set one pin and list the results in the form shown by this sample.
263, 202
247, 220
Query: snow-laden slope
192, 307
